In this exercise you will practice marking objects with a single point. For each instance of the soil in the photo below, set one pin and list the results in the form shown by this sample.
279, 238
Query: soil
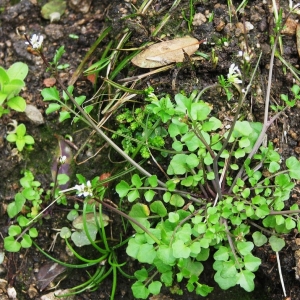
20, 269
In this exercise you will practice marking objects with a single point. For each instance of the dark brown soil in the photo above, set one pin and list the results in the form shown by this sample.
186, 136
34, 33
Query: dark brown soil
19, 269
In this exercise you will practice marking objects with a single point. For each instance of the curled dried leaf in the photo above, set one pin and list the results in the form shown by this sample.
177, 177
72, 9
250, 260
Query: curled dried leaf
165, 53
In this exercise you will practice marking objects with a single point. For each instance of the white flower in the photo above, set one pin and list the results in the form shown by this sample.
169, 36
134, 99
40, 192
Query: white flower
82, 189
36, 41
246, 57
234, 74
62, 159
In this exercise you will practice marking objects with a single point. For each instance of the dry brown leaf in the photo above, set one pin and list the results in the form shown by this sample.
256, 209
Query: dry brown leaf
165, 53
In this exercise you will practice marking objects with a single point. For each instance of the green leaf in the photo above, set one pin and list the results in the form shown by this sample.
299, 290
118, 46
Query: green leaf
262, 211
192, 161
136, 181
199, 111
251, 262
141, 275
293, 165
153, 181
244, 142
139, 290
245, 247
140, 212
177, 165
210, 175
26, 241
246, 193
203, 289
239, 153
65, 233
180, 250
12, 137
224, 283
165, 254
173, 217
144, 253
149, 195
259, 239
242, 128
50, 94
222, 254
28, 139
11, 245
21, 130
290, 223
53, 107
64, 115
14, 230
80, 238
158, 208
188, 181
13, 87
276, 243
154, 287
167, 197
80, 99
176, 200
33, 232
16, 206
4, 78
18, 70
229, 270
203, 255
273, 167
133, 195
20, 144
246, 280
23, 221
17, 103
122, 188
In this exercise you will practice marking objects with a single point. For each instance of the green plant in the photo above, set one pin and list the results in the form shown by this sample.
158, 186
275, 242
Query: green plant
52, 94
25, 207
139, 135
11, 83
179, 236
20, 137
189, 19
89, 225
202, 167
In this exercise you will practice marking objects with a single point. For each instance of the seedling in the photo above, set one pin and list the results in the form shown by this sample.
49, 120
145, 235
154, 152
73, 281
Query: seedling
20, 137
25, 207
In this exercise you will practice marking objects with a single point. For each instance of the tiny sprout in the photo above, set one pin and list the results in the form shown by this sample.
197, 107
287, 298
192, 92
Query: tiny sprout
73, 36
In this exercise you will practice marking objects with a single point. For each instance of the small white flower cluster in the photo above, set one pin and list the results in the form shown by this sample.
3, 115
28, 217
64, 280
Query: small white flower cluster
234, 74
82, 189
36, 41
62, 159
245, 56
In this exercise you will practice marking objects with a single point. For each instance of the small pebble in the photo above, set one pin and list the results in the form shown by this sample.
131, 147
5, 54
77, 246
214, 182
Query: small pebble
199, 19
